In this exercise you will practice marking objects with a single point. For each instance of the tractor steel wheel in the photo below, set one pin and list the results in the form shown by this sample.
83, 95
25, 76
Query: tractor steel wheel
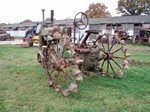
135, 40
113, 59
61, 74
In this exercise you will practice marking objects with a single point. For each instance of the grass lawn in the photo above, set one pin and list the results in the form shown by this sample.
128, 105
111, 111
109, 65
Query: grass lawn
23, 87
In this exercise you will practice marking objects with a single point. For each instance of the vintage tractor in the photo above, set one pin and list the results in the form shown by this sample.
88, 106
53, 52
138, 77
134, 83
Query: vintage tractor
122, 34
143, 37
65, 61
32, 35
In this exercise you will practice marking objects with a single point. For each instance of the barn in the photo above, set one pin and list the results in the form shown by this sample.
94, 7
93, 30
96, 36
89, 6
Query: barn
131, 24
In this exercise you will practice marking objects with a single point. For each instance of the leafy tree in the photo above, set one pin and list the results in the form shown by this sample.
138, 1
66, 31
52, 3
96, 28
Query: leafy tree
97, 10
133, 7
1, 25
27, 21
49, 19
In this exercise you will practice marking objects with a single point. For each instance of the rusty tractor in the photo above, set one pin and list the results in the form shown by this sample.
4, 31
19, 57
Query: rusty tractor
122, 34
64, 61
5, 36
143, 37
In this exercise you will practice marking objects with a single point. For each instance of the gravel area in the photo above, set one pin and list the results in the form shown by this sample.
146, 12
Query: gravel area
16, 41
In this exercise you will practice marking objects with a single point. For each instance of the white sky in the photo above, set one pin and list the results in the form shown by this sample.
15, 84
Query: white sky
15, 11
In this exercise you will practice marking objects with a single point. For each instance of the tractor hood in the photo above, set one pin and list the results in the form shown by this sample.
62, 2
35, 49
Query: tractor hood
52, 30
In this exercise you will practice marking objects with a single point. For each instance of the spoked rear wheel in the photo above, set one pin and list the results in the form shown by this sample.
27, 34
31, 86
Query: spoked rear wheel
113, 58
59, 70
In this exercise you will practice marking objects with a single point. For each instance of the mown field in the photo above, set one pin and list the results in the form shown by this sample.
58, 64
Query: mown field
23, 87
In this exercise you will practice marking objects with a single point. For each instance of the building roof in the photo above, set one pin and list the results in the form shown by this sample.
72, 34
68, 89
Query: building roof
30, 24
121, 19
109, 20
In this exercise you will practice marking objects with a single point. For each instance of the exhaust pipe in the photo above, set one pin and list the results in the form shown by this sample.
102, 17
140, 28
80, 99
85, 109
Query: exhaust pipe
43, 16
52, 17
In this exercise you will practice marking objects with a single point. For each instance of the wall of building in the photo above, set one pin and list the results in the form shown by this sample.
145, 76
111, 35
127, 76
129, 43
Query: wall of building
82, 32
17, 33
129, 28
93, 27
137, 28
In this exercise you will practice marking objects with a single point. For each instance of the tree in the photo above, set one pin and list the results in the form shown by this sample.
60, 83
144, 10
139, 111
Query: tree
97, 10
49, 19
1, 25
27, 21
133, 7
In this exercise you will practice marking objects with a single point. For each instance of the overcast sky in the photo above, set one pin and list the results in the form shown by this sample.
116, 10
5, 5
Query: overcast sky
15, 11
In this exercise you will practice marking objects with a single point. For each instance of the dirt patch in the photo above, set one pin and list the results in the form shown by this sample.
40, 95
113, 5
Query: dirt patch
145, 49
138, 63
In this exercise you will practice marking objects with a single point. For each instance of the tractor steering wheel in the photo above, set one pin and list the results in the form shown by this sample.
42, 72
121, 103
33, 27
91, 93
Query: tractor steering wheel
81, 19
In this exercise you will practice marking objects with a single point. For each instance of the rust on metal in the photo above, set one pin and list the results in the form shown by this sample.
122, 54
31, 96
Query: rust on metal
143, 37
65, 62
5, 36
52, 17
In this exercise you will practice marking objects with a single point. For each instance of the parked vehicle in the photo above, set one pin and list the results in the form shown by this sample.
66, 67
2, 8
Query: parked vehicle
64, 62
122, 35
5, 36
143, 37
31, 36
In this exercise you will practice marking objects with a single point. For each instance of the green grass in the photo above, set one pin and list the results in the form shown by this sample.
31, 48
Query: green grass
23, 87
18, 37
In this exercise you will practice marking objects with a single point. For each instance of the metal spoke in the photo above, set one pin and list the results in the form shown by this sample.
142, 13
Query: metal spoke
117, 50
102, 44
65, 75
103, 50
116, 63
112, 68
107, 67
68, 75
49, 74
118, 57
103, 62
83, 23
81, 18
111, 47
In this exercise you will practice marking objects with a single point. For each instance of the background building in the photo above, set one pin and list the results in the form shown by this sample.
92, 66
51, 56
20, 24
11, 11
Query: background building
131, 24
